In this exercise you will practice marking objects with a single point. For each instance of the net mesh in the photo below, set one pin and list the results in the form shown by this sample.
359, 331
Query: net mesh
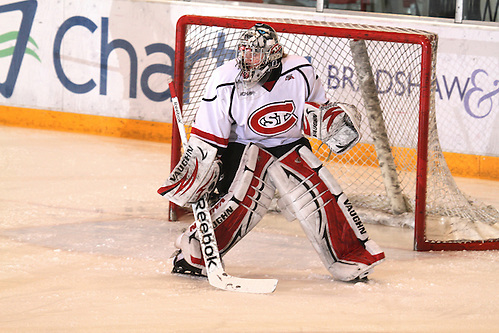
396, 72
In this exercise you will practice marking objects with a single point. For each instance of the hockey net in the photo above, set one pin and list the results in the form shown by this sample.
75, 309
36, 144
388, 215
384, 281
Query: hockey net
397, 174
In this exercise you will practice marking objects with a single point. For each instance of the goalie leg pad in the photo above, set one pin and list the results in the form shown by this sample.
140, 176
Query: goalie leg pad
195, 174
325, 214
237, 212
247, 201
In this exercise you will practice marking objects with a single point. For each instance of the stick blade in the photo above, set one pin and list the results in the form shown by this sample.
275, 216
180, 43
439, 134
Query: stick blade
225, 281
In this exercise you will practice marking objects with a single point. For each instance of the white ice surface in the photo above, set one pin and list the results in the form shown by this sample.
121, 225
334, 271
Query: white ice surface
85, 246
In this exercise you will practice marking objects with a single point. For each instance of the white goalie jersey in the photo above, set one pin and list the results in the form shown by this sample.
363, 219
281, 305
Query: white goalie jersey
233, 111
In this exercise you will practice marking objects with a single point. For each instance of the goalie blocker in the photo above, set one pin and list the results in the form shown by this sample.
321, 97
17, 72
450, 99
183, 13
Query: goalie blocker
195, 175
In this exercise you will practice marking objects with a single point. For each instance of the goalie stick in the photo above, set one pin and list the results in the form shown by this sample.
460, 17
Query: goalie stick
217, 276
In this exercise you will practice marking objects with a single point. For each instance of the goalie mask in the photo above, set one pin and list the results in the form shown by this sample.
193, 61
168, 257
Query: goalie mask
258, 53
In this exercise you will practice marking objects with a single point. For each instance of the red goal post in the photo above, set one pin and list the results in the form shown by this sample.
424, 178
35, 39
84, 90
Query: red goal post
397, 174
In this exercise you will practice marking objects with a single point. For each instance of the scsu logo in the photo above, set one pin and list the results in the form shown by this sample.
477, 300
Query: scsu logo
273, 119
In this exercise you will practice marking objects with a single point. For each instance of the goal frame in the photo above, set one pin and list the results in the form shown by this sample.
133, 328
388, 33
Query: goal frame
420, 241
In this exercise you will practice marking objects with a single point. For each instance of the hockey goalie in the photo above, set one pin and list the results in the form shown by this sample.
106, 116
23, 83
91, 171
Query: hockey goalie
249, 141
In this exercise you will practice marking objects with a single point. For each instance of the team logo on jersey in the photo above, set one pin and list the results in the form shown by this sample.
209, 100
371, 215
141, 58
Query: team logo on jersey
273, 119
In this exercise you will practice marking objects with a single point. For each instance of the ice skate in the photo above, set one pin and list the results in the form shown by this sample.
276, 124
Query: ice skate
181, 266
188, 258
